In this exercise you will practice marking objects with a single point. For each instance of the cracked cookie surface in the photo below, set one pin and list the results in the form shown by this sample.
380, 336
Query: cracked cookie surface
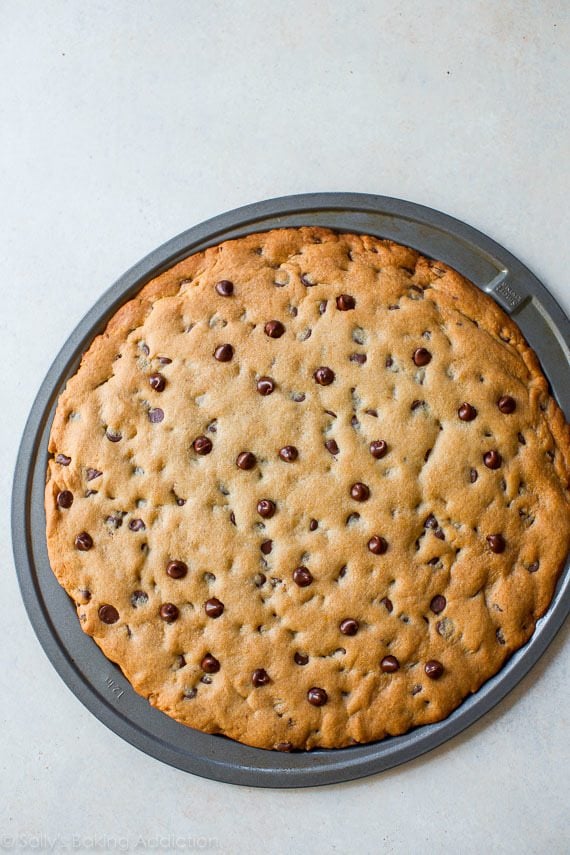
308, 489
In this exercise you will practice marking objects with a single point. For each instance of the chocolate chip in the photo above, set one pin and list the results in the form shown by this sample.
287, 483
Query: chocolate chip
387, 603
521, 439
359, 358
389, 664
348, 626
298, 397
301, 658
433, 669
92, 474
202, 445
266, 508
389, 362
83, 542
466, 412
324, 376
137, 525
265, 385
62, 459
438, 604
155, 415
266, 546
225, 288
259, 579
473, 475
274, 329
492, 459
430, 522
360, 492
214, 607
246, 460
322, 307
500, 636
532, 568
496, 542
157, 382
345, 302
306, 281
421, 357
506, 404
302, 577
164, 360
113, 436
210, 664
169, 612
286, 747
288, 453
332, 446
176, 569
139, 598
108, 614
224, 353
65, 499
317, 697
378, 448
260, 677
232, 518
377, 545
313, 525
180, 502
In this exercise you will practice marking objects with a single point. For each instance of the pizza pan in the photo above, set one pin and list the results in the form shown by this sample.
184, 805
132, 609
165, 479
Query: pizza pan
98, 683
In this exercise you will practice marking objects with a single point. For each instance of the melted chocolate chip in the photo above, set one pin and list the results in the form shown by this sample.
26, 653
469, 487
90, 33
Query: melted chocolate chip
434, 669
169, 612
473, 475
202, 445
360, 492
317, 697
266, 546
377, 545
378, 448
388, 604
532, 568
246, 460
265, 386
260, 677
164, 360
506, 404
157, 382
345, 302
466, 412
225, 288
302, 577
274, 329
155, 415
389, 664
224, 353
288, 453
324, 376
137, 525
83, 542
139, 598
113, 436
92, 474
306, 281
62, 459
348, 626
214, 607
359, 358
421, 357
313, 525
266, 508
64, 499
176, 569
496, 542
492, 459
332, 446
438, 604
301, 658
210, 664
108, 614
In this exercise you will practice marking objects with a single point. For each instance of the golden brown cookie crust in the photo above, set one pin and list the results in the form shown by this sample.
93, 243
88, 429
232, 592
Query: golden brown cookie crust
439, 514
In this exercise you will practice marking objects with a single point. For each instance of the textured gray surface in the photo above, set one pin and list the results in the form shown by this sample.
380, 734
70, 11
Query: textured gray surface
122, 124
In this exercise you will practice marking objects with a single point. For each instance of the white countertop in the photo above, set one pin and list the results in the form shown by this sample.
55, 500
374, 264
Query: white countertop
124, 123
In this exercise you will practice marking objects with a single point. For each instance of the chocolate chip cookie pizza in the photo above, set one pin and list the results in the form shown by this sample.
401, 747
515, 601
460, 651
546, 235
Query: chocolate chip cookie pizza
308, 489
